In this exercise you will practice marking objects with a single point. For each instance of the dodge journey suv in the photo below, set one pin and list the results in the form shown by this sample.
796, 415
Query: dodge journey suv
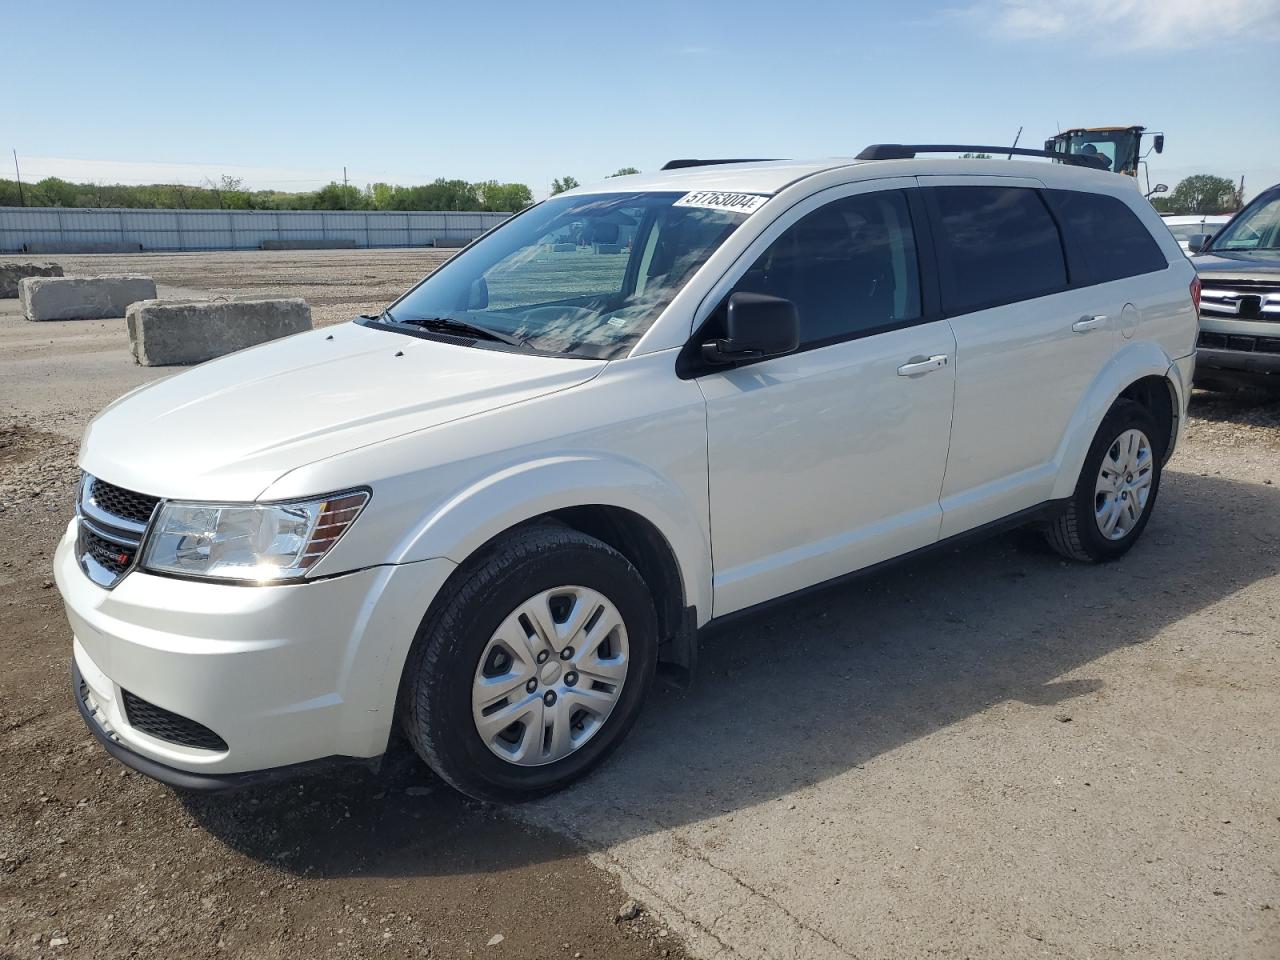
492, 512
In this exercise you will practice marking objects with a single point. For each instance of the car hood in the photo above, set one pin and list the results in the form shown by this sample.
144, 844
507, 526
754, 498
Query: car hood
1241, 266
229, 428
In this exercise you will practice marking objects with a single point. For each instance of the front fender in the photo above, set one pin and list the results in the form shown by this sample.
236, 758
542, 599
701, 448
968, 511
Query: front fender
1133, 362
475, 514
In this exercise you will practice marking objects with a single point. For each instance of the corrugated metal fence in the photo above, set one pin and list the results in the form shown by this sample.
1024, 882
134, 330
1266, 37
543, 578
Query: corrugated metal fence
69, 227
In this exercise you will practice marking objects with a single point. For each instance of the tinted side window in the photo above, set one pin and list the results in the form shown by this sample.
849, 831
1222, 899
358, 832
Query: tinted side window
998, 245
1114, 241
849, 267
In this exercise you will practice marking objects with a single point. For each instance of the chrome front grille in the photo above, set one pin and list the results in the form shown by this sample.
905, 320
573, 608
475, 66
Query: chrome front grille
112, 523
122, 503
1240, 299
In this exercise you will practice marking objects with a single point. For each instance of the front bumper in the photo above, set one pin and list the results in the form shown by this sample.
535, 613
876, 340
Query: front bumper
181, 779
1236, 364
284, 674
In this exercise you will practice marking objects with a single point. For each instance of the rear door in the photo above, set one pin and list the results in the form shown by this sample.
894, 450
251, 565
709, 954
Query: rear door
1108, 247
830, 458
1028, 342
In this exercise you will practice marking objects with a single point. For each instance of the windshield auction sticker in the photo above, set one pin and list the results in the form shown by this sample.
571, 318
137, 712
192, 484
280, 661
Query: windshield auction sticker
719, 200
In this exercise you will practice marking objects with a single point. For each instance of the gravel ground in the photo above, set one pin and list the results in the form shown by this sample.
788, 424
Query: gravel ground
984, 753
347, 865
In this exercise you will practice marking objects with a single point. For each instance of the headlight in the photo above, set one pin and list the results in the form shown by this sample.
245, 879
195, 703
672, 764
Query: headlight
254, 542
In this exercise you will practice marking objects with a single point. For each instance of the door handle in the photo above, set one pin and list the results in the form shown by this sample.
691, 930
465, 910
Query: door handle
918, 365
1085, 324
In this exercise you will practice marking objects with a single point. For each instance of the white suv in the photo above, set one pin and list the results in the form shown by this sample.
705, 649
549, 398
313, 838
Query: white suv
495, 510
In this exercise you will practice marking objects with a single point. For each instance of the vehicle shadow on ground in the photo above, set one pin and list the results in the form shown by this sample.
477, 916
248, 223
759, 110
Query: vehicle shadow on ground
809, 691
1254, 408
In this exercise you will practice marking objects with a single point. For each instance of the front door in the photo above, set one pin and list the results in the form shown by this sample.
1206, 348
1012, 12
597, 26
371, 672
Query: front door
830, 459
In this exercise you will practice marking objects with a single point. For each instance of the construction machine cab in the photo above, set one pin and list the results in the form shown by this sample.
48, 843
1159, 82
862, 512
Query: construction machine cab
1119, 147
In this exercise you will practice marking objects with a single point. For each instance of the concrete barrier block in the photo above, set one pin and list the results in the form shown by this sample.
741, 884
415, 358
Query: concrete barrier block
82, 298
11, 273
170, 332
84, 246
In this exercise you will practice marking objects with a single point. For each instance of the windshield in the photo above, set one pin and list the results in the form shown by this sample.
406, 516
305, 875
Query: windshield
1257, 229
583, 276
1117, 148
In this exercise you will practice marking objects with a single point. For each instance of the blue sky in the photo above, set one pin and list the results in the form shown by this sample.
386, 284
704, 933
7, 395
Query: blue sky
285, 94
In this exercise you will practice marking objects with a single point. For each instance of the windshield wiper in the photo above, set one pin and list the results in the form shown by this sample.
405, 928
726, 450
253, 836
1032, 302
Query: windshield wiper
450, 325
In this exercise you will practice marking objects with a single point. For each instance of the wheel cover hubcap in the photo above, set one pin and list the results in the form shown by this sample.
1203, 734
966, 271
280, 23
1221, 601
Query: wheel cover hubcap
1124, 484
532, 713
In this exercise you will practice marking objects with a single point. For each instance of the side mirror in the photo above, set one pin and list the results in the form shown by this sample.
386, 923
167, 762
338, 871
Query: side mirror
1159, 143
1198, 241
758, 326
478, 295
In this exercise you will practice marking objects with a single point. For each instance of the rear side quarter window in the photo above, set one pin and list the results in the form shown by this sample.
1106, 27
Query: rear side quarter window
1109, 236
996, 245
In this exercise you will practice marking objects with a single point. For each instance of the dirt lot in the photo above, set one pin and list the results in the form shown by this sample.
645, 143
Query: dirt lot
984, 753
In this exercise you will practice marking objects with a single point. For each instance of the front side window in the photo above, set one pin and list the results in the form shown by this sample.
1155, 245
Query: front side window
849, 267
997, 245
578, 276
1256, 230
1113, 240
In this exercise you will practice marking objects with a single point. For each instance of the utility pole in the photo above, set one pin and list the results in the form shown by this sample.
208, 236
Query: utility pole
22, 201
344, 177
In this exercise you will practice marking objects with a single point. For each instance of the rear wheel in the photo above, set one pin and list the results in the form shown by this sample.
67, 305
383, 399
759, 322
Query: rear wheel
1116, 491
535, 669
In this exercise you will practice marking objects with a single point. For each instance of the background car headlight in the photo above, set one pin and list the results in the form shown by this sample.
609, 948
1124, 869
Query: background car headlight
254, 542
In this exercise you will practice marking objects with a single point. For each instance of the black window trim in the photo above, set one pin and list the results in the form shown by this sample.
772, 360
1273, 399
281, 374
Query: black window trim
925, 217
1079, 273
690, 363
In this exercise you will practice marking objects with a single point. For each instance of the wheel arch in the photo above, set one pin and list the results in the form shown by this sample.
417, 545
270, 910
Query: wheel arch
643, 515
1159, 396
1140, 372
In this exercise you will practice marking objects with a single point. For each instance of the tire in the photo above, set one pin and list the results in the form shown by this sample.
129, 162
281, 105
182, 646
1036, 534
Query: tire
444, 678
1077, 533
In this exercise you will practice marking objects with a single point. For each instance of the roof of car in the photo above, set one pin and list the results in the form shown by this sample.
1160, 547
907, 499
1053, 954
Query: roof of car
753, 176
771, 176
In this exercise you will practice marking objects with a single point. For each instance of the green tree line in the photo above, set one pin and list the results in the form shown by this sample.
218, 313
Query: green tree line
1201, 193
229, 194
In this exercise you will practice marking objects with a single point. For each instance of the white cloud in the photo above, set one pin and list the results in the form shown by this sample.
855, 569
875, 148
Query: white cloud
1131, 24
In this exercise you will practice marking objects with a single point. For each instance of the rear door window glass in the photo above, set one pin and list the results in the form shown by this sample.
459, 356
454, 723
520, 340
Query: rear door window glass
997, 245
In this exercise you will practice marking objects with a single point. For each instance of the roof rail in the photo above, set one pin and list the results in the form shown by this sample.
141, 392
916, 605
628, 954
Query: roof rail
905, 151
681, 164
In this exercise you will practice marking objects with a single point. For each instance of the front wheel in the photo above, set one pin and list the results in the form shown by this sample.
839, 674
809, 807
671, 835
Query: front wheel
535, 669
1116, 491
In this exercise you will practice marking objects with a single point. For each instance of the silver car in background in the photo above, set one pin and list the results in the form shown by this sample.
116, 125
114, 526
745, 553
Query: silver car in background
1184, 227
